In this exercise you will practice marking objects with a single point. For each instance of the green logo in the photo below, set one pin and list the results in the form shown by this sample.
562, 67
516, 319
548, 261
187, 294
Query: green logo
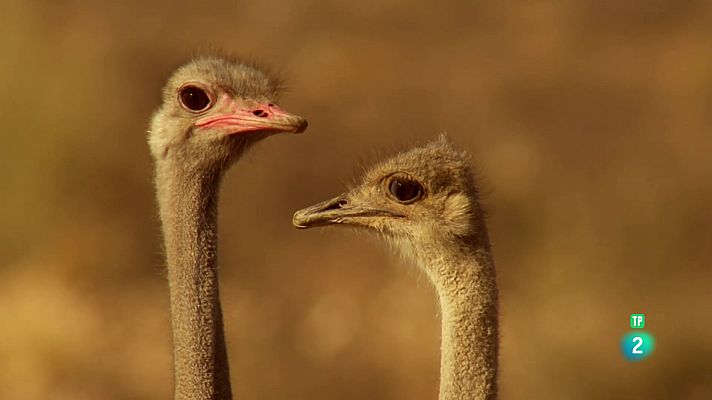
637, 321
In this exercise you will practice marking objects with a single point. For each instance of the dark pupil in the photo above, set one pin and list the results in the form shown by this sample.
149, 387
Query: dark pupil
194, 98
405, 190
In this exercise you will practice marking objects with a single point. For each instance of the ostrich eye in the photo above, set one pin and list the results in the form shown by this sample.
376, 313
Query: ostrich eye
405, 190
194, 98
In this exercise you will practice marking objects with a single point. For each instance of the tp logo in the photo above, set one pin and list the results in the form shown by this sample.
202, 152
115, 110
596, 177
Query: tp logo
637, 345
637, 321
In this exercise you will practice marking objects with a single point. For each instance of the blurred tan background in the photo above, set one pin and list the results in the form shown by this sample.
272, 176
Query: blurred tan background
590, 124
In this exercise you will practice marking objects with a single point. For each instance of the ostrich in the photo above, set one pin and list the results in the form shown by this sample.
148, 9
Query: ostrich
214, 108
424, 202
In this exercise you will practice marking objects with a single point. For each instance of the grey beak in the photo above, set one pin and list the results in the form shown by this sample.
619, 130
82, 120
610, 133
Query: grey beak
338, 210
324, 213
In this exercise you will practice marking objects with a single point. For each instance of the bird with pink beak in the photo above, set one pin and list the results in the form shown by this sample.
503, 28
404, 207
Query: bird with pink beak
214, 108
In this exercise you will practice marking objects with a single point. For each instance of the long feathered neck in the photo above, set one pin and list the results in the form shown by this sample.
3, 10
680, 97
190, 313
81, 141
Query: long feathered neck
188, 209
464, 277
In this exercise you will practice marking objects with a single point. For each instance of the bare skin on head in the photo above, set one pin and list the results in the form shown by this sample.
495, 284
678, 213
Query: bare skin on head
213, 109
425, 203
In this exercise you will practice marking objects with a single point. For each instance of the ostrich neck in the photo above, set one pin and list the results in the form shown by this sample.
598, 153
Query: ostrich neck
466, 285
188, 209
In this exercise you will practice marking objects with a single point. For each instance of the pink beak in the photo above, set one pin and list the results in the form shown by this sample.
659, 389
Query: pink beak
262, 117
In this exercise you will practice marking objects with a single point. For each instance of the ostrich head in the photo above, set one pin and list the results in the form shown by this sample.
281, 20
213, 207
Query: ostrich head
213, 109
420, 199
424, 203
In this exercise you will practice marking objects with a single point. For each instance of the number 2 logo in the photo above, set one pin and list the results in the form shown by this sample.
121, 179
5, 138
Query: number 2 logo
636, 348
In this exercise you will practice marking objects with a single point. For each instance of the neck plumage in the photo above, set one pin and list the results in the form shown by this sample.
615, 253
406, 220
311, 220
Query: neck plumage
466, 285
188, 210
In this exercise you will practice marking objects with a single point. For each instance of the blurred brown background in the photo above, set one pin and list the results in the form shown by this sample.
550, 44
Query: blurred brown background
590, 125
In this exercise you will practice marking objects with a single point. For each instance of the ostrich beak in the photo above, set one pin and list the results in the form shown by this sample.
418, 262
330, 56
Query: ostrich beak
262, 117
338, 210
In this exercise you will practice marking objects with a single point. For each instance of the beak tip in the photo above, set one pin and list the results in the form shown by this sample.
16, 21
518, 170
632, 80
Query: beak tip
297, 221
301, 125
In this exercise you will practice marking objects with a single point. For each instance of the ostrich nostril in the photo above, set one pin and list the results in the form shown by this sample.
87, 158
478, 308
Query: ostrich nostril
260, 113
335, 206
